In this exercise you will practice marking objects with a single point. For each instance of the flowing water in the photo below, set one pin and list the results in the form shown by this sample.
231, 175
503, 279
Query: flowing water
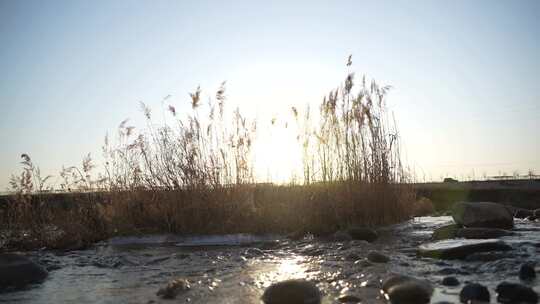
237, 268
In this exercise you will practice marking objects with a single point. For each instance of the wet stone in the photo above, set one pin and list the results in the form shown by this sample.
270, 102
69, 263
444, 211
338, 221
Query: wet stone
253, 252
515, 293
450, 281
173, 289
341, 236
483, 214
522, 213
487, 256
482, 233
377, 257
363, 234
527, 272
460, 248
292, 292
349, 299
474, 292
363, 263
402, 289
18, 271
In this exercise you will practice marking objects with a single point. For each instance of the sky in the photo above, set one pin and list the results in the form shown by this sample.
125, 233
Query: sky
465, 74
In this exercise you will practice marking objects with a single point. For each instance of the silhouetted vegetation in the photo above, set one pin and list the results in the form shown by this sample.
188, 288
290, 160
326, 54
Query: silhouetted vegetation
196, 175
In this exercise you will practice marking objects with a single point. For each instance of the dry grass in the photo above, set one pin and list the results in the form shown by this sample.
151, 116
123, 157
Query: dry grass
196, 176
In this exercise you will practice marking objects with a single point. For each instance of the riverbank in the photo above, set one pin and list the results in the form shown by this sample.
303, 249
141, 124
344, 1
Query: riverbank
522, 193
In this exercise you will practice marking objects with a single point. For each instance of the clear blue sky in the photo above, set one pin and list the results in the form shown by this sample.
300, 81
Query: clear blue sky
466, 74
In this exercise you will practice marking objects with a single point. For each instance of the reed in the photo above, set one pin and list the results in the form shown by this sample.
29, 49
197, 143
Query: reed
195, 175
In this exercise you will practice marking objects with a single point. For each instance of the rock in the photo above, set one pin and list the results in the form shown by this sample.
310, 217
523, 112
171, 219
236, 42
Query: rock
474, 292
173, 289
450, 281
487, 256
522, 213
482, 233
404, 289
18, 271
460, 248
363, 263
482, 214
527, 272
377, 257
292, 292
341, 236
253, 252
349, 299
515, 293
363, 234
445, 232
296, 235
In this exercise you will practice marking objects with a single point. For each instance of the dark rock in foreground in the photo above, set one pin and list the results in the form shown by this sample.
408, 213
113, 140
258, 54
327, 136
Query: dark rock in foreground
403, 289
363, 234
515, 293
482, 233
173, 289
377, 257
292, 292
349, 299
527, 272
474, 292
450, 281
483, 214
522, 213
18, 271
460, 249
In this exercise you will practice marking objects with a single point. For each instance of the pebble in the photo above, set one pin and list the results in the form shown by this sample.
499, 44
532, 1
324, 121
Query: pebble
450, 281
292, 292
402, 289
474, 292
349, 299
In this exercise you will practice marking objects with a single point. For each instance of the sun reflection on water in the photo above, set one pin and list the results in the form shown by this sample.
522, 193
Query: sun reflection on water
283, 269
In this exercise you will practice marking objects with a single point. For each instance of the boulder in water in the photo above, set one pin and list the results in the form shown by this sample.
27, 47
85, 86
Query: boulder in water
292, 292
173, 289
18, 271
363, 234
460, 248
450, 281
483, 214
482, 233
474, 292
349, 299
401, 289
522, 213
515, 293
